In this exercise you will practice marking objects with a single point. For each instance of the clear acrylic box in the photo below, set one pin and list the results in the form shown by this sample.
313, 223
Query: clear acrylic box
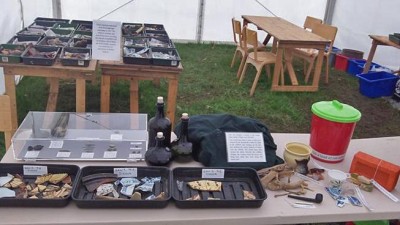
81, 136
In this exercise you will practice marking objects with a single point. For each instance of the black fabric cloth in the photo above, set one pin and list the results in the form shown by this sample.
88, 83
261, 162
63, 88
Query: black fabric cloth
207, 133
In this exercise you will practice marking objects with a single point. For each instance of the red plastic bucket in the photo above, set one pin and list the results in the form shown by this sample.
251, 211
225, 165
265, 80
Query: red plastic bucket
332, 127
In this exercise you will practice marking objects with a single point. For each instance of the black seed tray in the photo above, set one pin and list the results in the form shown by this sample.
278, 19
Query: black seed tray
37, 32
395, 39
85, 22
82, 35
30, 60
132, 29
75, 61
234, 182
77, 43
65, 26
85, 28
166, 62
58, 33
55, 20
136, 60
156, 33
155, 27
136, 41
85, 199
17, 168
17, 39
64, 40
42, 24
16, 58
160, 42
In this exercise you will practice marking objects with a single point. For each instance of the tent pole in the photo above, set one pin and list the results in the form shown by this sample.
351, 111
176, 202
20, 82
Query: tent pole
56, 8
329, 11
200, 21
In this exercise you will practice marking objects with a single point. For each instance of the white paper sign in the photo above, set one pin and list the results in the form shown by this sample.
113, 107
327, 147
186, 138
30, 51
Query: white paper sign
106, 40
245, 147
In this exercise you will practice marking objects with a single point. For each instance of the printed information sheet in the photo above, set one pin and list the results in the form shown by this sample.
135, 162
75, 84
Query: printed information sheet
245, 147
106, 40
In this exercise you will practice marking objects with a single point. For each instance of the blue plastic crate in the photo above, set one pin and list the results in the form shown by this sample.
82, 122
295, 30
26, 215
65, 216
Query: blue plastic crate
377, 84
332, 56
356, 66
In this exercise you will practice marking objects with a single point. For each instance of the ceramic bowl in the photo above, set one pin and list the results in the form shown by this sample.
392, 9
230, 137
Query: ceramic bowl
336, 178
296, 151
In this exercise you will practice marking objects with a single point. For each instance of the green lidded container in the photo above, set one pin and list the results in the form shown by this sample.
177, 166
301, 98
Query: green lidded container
336, 111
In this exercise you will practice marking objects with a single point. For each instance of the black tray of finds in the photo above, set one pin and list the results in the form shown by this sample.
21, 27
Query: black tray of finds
136, 41
236, 188
150, 187
155, 27
40, 55
156, 33
160, 42
36, 185
54, 41
37, 32
132, 29
165, 56
75, 57
80, 43
59, 33
137, 55
24, 40
54, 20
11, 53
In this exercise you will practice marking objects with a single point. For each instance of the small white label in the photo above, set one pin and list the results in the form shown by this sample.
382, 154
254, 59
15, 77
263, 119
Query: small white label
212, 173
135, 156
63, 154
87, 155
56, 144
125, 172
32, 154
110, 154
116, 137
174, 63
34, 170
330, 158
136, 143
245, 147
81, 63
4, 59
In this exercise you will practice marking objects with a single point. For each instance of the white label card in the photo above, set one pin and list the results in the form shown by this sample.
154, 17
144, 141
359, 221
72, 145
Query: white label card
4, 59
212, 173
56, 144
87, 155
135, 156
32, 154
245, 147
125, 172
110, 154
106, 40
35, 170
63, 154
116, 137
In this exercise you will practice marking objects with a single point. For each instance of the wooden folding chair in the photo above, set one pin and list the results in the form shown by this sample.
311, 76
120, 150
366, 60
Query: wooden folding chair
310, 22
5, 119
323, 30
258, 59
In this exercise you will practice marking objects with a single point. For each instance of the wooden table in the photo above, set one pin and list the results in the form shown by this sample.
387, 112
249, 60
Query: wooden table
134, 73
288, 36
377, 40
53, 73
273, 210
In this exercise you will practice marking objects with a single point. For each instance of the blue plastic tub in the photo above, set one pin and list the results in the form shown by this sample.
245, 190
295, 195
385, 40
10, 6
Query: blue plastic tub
356, 66
377, 84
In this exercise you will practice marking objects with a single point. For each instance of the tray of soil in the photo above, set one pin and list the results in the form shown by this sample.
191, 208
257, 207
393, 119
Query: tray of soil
38, 185
65, 33
217, 188
38, 32
11, 53
75, 57
156, 33
65, 26
137, 55
155, 27
160, 42
122, 187
24, 40
40, 55
136, 42
80, 43
132, 29
165, 56
54, 41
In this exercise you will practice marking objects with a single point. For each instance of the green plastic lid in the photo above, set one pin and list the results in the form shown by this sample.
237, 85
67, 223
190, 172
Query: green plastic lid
336, 111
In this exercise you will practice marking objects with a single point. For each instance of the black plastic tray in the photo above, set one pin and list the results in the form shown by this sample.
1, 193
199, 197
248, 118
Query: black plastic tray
166, 62
29, 60
86, 22
160, 42
130, 29
59, 33
15, 58
154, 27
78, 34
136, 60
55, 20
85, 199
74, 61
73, 42
37, 32
136, 41
234, 182
33, 39
156, 33
65, 41
42, 24
16, 168
394, 38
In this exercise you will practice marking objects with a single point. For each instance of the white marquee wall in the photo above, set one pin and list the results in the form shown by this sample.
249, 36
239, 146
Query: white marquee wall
355, 19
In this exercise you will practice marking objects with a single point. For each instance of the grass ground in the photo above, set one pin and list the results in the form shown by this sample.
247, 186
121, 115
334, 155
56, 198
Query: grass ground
208, 85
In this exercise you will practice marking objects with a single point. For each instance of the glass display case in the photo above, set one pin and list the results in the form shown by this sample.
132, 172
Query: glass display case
81, 136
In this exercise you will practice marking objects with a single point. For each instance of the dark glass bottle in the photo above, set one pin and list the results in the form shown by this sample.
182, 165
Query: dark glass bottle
160, 154
159, 123
181, 147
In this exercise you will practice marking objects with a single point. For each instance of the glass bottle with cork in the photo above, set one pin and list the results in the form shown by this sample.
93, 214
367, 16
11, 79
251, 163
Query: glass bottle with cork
159, 123
160, 154
181, 147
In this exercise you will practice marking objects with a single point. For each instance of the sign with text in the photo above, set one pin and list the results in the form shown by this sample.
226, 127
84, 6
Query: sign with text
106, 40
245, 147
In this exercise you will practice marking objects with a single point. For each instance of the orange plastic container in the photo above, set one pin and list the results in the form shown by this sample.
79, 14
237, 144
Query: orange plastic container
383, 172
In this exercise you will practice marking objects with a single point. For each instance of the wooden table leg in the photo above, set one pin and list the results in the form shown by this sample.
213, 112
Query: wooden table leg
134, 96
172, 95
53, 94
80, 95
370, 56
318, 68
9, 81
289, 66
105, 94
277, 69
